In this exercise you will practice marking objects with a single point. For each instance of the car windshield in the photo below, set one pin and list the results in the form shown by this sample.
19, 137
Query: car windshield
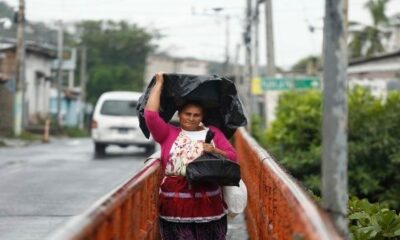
119, 108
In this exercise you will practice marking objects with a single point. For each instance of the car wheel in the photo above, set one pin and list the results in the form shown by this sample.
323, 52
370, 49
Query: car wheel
150, 149
100, 148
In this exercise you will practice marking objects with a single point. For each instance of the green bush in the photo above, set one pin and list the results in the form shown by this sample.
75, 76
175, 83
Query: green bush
372, 221
28, 136
294, 137
374, 154
256, 128
373, 138
74, 132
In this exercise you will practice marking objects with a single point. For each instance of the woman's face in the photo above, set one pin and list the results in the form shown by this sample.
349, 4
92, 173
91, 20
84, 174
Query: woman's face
190, 117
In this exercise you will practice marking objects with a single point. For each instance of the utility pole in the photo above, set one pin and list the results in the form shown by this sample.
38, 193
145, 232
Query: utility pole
270, 39
237, 72
248, 58
20, 70
256, 63
60, 44
226, 64
256, 39
335, 110
83, 87
270, 98
239, 76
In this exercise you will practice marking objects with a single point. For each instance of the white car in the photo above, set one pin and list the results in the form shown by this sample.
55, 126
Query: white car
115, 122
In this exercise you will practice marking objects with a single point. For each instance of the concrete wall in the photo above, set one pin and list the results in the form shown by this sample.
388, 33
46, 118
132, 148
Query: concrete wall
379, 76
70, 109
6, 109
37, 68
37, 92
378, 87
7, 67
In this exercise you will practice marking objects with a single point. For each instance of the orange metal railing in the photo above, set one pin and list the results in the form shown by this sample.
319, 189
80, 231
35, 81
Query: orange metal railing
129, 212
277, 207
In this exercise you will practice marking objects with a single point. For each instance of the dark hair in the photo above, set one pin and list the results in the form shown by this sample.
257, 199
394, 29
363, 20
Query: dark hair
191, 102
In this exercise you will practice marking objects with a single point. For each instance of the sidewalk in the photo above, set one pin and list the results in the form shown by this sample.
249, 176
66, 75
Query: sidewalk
237, 228
12, 142
8, 142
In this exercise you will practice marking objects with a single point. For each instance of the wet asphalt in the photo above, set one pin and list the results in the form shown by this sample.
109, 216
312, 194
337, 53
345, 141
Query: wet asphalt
43, 185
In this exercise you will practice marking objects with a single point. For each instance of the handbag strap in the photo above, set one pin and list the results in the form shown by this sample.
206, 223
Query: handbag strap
209, 136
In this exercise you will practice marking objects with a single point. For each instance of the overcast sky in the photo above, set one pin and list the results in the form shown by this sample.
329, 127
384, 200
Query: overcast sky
193, 29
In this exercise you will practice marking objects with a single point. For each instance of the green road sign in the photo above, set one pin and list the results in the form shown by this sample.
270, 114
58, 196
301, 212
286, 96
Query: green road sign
290, 83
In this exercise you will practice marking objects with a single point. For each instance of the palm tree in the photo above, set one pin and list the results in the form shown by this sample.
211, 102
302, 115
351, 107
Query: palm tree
369, 40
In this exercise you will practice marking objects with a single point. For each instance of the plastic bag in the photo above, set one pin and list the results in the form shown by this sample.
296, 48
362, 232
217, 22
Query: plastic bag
218, 95
235, 198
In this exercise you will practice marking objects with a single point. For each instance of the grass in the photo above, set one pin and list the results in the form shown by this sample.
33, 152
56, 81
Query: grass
27, 136
74, 132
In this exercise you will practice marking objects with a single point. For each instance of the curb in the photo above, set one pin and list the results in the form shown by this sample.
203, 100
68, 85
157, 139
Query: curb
9, 142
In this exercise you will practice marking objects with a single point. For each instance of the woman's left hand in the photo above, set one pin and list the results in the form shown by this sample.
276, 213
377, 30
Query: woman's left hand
207, 147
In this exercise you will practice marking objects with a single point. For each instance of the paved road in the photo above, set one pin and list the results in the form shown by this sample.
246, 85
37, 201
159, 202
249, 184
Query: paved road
43, 185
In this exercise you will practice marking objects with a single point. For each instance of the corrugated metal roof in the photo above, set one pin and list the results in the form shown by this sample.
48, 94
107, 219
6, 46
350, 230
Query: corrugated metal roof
44, 50
375, 58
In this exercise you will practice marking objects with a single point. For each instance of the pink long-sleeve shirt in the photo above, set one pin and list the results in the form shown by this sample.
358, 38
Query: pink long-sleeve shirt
165, 134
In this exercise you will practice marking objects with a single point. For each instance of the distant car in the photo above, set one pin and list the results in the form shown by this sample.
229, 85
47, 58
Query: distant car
115, 122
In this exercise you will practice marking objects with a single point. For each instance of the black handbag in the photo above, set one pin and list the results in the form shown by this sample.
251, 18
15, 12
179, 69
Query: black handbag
212, 168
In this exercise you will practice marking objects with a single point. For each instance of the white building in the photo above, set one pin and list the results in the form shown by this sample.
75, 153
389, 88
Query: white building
161, 62
71, 107
380, 74
38, 61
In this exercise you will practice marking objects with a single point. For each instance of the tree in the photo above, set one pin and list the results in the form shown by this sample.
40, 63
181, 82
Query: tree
369, 40
308, 65
105, 78
6, 10
117, 54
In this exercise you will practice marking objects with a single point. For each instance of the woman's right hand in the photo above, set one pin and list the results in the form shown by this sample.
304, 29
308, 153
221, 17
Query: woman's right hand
160, 78
153, 103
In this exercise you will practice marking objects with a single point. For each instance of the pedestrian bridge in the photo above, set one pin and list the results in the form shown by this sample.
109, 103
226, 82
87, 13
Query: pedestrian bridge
278, 208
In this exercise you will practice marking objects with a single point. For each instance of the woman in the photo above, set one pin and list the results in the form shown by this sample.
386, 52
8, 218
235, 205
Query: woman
187, 212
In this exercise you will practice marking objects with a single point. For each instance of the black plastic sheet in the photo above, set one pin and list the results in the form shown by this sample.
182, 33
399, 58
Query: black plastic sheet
218, 95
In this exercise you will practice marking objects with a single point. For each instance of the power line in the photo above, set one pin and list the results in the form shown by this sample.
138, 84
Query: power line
311, 28
183, 26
